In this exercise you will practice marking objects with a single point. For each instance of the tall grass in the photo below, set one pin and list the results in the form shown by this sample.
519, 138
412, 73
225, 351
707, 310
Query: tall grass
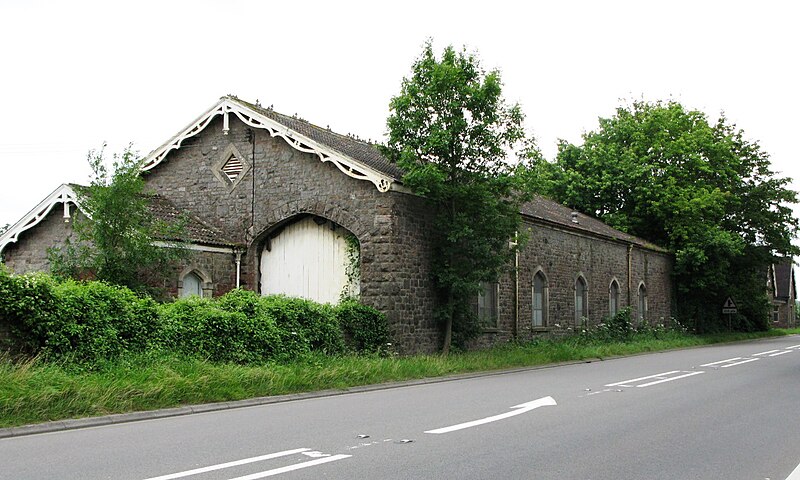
35, 391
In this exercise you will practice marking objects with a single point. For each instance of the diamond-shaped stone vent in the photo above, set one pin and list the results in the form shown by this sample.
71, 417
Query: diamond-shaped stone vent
232, 168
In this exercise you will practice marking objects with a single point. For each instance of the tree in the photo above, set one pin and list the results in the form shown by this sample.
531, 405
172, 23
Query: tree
665, 173
450, 131
116, 238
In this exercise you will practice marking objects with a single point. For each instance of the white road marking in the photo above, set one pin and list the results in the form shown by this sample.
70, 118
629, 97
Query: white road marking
518, 409
236, 463
688, 374
291, 468
764, 353
795, 475
781, 353
625, 383
721, 361
316, 454
739, 363
793, 346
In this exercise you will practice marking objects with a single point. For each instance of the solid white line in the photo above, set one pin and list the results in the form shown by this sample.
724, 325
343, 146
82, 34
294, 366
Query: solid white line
641, 378
236, 463
781, 353
721, 361
668, 379
519, 409
291, 468
739, 363
795, 475
764, 353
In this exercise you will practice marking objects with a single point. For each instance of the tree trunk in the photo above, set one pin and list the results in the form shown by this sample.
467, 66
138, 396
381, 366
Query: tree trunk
448, 335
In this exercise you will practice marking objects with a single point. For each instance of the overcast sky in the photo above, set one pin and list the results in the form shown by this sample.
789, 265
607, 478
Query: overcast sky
77, 74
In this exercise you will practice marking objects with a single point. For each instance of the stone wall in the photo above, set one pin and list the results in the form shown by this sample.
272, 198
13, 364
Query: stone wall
280, 184
29, 254
390, 226
562, 255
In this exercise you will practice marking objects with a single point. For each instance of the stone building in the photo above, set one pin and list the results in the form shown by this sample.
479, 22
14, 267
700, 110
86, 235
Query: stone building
276, 204
782, 293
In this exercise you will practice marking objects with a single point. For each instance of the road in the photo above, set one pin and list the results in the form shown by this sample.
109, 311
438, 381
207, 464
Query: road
721, 412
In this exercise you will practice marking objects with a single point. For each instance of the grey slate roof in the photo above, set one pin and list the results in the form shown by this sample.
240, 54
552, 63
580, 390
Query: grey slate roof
197, 231
783, 278
551, 212
359, 150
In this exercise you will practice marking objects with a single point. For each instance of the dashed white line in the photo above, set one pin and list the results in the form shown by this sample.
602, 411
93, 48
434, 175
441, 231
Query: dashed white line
291, 468
781, 353
793, 346
721, 361
236, 463
739, 363
668, 379
625, 383
764, 353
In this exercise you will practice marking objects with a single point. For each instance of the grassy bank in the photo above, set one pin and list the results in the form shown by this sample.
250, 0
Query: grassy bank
37, 391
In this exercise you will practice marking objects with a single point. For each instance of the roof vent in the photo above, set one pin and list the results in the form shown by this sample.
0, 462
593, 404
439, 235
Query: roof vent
574, 217
232, 168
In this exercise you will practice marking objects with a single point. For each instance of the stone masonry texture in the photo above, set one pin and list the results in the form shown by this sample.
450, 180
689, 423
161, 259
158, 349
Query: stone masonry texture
280, 184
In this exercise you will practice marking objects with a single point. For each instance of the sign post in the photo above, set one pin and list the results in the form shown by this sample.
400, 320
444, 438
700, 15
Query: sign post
729, 308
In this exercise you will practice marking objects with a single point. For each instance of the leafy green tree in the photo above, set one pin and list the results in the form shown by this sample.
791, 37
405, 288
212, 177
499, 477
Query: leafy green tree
451, 131
115, 241
703, 190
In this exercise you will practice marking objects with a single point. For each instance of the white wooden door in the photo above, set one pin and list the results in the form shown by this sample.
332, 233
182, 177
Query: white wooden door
306, 260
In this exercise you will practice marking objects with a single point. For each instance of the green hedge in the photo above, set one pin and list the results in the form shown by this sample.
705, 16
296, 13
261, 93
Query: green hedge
87, 322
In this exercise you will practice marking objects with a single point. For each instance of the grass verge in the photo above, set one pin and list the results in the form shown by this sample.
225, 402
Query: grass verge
37, 391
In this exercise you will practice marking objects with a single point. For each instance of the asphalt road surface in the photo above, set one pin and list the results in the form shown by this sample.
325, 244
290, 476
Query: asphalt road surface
722, 412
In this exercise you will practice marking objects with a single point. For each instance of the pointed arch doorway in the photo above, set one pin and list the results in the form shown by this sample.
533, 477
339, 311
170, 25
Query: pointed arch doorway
311, 258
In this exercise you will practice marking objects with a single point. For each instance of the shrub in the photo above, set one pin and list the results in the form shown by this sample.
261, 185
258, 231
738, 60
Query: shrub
26, 302
314, 322
200, 327
365, 329
95, 320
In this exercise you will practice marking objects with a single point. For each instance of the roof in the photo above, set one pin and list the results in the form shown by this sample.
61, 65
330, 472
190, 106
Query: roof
353, 157
355, 148
784, 274
544, 209
197, 231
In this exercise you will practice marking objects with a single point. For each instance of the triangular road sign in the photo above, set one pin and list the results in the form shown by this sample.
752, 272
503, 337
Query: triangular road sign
729, 303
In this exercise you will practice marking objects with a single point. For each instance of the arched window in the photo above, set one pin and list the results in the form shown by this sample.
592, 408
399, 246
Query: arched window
192, 285
642, 302
581, 300
613, 298
539, 300
487, 306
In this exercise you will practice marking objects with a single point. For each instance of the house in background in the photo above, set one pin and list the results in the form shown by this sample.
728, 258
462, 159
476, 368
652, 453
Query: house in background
276, 204
782, 293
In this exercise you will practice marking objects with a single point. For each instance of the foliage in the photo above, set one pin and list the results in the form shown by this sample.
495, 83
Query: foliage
25, 302
352, 269
80, 321
702, 190
450, 130
199, 327
365, 329
115, 239
88, 323
37, 391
